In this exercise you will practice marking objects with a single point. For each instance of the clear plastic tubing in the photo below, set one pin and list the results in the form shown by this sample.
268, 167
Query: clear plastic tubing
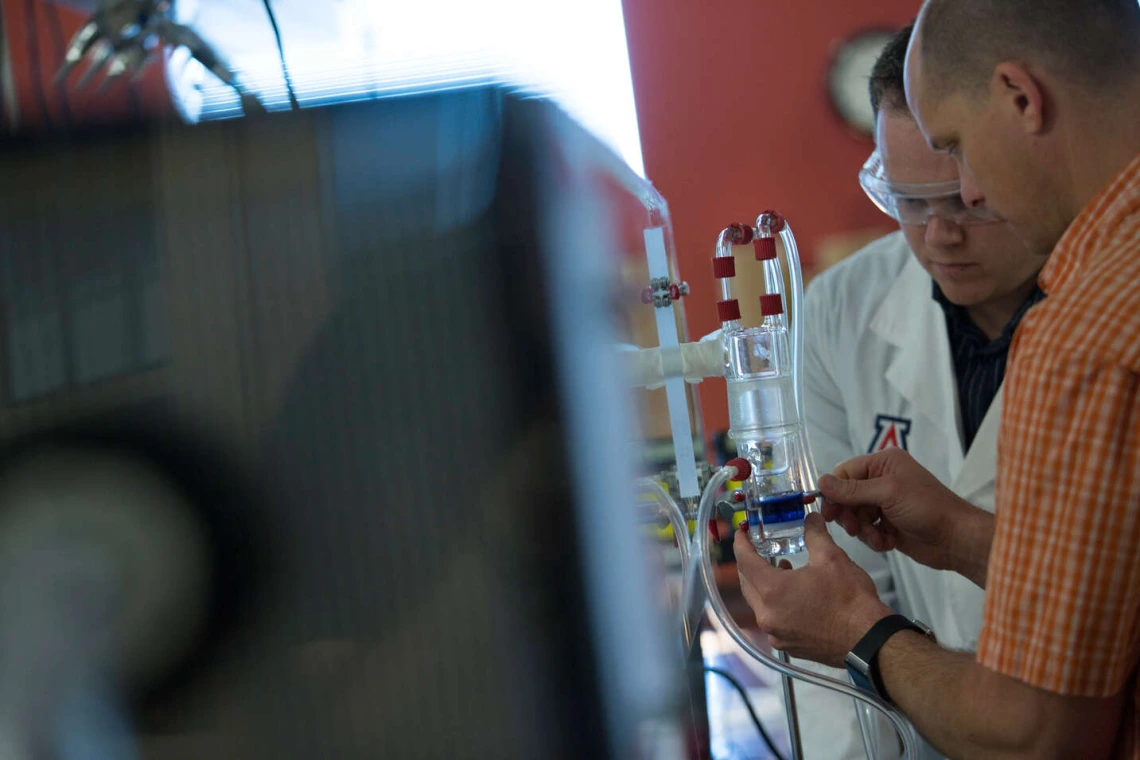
724, 250
724, 243
690, 618
797, 285
704, 565
676, 517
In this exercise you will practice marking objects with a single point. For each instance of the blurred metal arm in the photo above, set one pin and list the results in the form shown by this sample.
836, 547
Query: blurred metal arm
121, 36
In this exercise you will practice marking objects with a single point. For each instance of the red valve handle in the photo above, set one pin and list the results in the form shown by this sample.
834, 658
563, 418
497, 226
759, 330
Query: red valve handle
743, 468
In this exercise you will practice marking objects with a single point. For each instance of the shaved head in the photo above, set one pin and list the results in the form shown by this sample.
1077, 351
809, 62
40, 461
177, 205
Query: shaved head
1085, 51
1092, 43
1037, 101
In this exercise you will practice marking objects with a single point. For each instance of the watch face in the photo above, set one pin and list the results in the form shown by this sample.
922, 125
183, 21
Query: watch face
849, 77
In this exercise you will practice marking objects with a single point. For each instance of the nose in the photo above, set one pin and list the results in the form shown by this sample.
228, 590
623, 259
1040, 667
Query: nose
942, 233
972, 195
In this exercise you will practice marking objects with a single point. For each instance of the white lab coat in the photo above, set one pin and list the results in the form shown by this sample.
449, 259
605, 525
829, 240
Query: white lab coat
878, 371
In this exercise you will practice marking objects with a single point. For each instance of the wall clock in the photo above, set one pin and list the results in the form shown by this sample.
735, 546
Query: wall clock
848, 76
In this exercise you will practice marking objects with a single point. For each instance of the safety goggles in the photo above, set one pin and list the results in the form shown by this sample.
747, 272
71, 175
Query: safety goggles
915, 204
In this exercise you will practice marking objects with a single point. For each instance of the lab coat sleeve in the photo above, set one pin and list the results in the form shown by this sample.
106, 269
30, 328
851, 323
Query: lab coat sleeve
826, 412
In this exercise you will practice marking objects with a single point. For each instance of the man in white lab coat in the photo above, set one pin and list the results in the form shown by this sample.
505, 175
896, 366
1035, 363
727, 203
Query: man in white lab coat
906, 346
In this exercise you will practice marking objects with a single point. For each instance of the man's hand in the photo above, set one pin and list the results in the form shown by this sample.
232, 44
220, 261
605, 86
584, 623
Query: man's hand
817, 612
889, 501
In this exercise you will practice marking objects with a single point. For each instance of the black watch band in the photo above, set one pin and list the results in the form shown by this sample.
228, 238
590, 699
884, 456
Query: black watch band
863, 659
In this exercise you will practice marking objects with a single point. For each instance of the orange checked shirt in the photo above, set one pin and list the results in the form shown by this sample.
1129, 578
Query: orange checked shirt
1062, 608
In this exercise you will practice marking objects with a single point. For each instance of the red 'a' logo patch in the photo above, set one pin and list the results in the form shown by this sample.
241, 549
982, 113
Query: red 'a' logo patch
889, 431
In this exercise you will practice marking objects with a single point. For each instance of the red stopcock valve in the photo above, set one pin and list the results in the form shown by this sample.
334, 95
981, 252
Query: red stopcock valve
743, 468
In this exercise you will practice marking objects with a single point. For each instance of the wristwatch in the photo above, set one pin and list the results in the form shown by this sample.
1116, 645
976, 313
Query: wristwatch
863, 659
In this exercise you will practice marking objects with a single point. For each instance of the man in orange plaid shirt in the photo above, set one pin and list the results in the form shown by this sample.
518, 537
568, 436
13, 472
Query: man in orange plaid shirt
1039, 103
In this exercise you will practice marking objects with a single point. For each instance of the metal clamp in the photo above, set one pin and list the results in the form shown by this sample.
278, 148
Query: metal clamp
663, 292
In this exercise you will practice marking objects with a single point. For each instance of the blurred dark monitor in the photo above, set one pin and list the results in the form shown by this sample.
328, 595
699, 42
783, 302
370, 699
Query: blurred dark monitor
394, 318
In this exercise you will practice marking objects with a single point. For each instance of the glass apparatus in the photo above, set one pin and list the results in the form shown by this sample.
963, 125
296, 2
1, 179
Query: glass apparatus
764, 373
763, 369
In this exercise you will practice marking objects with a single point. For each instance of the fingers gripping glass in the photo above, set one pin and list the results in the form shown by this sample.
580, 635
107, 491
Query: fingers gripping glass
914, 204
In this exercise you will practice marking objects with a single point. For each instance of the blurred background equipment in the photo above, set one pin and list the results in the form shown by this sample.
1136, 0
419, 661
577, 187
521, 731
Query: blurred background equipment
400, 317
125, 565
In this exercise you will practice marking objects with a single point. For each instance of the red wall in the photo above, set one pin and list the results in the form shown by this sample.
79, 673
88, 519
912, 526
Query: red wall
735, 118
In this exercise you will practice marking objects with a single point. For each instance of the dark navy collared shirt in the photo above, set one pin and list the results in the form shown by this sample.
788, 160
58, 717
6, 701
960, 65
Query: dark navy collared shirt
979, 363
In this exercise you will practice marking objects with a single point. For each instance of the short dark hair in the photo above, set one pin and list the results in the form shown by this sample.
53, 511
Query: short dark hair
887, 86
1091, 43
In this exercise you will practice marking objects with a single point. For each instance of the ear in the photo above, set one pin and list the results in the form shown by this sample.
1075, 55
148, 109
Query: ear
1020, 95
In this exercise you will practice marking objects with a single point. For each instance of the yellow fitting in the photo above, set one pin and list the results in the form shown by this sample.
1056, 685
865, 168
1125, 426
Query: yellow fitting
665, 532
